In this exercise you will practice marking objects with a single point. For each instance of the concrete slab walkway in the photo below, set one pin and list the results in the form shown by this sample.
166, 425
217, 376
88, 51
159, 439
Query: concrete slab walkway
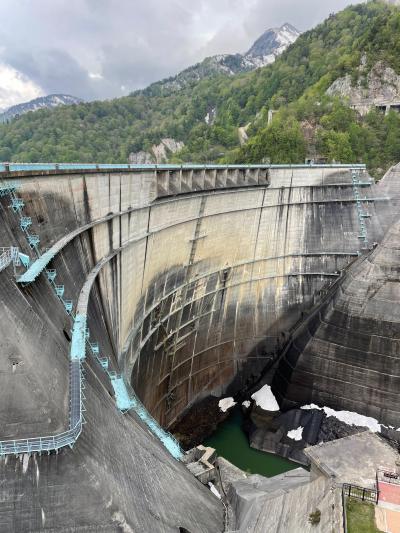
387, 520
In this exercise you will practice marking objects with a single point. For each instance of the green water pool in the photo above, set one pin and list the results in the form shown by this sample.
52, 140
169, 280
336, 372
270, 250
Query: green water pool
231, 442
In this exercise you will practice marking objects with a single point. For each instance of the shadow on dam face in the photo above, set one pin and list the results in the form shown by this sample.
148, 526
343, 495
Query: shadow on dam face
188, 344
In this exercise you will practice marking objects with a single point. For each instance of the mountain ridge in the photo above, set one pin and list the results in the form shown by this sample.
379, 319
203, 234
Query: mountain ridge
271, 43
42, 102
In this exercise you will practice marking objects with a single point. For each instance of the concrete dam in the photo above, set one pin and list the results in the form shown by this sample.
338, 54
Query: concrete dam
130, 293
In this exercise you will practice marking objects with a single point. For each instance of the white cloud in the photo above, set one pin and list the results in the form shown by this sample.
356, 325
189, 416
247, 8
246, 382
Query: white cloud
66, 45
15, 87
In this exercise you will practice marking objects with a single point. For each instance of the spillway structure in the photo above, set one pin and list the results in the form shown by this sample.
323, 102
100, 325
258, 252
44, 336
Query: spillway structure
129, 293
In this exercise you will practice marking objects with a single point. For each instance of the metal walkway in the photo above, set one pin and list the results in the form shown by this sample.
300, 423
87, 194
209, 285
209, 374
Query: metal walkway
41, 263
38, 265
55, 442
24, 167
7, 256
125, 398
48, 443
124, 394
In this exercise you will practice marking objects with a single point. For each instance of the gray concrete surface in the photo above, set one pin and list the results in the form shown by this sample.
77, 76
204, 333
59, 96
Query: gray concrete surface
354, 459
283, 504
223, 265
348, 356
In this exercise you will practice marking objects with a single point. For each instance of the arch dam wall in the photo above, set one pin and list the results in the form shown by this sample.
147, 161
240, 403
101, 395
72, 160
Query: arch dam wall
347, 355
204, 271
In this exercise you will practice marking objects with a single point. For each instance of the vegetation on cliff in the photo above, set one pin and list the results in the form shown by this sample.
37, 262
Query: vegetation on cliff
307, 123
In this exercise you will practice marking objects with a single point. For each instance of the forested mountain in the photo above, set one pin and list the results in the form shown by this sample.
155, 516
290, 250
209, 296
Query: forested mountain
207, 113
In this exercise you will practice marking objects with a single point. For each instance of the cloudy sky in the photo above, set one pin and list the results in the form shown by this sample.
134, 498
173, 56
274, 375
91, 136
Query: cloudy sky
106, 48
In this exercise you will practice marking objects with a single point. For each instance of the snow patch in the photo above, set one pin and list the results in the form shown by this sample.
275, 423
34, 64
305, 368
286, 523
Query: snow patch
349, 417
265, 399
226, 403
246, 404
25, 463
296, 434
214, 490
37, 470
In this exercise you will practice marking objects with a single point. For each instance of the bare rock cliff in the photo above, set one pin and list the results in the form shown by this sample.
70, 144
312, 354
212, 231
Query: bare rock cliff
381, 87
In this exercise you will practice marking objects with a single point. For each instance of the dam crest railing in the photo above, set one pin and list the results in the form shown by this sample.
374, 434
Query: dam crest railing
31, 167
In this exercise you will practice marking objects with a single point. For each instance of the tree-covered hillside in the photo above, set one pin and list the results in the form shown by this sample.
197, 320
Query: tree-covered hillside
308, 121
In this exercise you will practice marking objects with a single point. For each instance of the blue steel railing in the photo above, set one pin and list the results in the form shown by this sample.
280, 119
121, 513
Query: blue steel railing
7, 256
66, 438
125, 398
77, 356
21, 167
127, 401
17, 205
76, 387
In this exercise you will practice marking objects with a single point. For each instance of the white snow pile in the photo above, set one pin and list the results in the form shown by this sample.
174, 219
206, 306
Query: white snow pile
214, 490
349, 417
265, 399
246, 404
296, 434
226, 403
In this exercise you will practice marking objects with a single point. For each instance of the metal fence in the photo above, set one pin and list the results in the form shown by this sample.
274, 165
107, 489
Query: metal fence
386, 475
21, 167
60, 440
361, 493
7, 256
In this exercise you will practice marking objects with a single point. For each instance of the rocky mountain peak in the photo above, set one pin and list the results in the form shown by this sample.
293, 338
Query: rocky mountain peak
264, 51
273, 41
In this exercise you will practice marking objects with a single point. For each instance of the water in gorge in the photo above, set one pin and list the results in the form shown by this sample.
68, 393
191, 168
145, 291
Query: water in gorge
231, 442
